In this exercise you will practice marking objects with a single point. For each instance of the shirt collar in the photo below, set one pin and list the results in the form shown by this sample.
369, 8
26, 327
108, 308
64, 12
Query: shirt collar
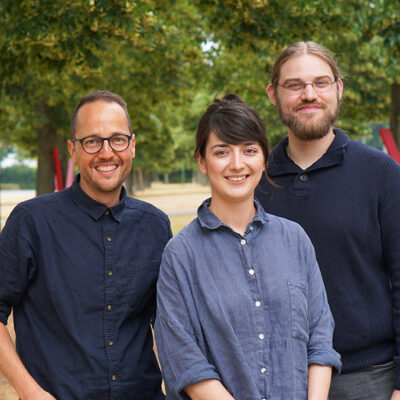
209, 220
280, 164
92, 207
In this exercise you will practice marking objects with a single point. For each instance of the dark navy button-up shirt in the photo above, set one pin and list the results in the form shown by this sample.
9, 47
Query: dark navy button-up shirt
250, 311
81, 281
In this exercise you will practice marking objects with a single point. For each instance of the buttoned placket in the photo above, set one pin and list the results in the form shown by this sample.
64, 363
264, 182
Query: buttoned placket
260, 321
109, 227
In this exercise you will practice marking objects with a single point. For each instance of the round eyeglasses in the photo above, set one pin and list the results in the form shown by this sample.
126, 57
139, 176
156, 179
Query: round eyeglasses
320, 85
93, 144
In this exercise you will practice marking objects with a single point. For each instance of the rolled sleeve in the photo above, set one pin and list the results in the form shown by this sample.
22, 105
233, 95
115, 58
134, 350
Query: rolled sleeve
183, 362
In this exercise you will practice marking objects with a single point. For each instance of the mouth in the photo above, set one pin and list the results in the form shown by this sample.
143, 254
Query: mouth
106, 168
236, 178
310, 107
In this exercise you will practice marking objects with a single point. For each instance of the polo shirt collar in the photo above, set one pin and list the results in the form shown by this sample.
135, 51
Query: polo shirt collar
92, 207
280, 163
209, 220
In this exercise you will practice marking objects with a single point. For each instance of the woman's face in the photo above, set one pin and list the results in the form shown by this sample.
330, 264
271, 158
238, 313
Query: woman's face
233, 170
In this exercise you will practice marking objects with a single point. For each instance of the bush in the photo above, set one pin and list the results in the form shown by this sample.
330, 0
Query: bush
19, 174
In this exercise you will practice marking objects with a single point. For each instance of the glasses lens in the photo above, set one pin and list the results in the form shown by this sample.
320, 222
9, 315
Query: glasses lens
92, 144
322, 84
119, 142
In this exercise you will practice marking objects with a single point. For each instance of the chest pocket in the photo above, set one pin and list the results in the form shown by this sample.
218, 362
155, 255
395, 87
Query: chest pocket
138, 283
298, 292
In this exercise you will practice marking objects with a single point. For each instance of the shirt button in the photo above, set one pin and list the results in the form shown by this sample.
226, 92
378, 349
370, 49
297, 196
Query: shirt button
258, 303
114, 377
251, 271
109, 307
109, 273
261, 336
303, 178
110, 342
251, 228
107, 212
108, 238
243, 242
263, 370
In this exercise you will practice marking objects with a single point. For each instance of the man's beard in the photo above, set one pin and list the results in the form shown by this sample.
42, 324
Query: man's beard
313, 130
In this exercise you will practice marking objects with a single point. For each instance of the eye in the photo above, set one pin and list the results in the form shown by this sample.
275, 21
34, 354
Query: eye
92, 142
251, 150
294, 85
119, 139
322, 83
221, 153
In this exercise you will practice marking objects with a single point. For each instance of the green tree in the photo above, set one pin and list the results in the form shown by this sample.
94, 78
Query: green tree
251, 33
52, 52
19, 174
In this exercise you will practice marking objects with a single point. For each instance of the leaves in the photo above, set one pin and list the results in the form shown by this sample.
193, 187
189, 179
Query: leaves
169, 59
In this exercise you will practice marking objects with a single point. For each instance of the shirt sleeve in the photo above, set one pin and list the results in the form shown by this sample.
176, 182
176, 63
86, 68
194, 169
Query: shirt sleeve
17, 260
164, 243
320, 348
389, 219
183, 363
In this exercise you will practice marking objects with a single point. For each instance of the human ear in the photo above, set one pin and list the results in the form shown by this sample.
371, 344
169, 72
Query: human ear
133, 144
72, 150
271, 94
340, 87
201, 162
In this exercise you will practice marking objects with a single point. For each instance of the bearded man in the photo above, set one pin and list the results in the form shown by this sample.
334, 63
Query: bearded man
347, 198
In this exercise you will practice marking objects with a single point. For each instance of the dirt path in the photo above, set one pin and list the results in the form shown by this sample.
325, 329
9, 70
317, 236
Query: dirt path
180, 202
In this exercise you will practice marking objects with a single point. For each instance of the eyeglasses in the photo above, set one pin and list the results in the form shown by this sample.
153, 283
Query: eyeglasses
93, 144
319, 85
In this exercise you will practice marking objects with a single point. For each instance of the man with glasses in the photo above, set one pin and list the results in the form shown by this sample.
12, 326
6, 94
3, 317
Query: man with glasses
79, 270
347, 198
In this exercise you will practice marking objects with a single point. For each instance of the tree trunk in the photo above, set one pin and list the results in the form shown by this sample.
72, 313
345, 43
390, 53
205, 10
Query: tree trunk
147, 179
47, 139
166, 178
395, 112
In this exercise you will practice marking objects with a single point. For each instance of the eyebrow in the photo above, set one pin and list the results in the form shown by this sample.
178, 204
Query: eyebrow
225, 145
114, 133
220, 145
301, 80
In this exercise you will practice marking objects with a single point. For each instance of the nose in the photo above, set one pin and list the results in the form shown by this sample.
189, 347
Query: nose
237, 160
309, 93
106, 151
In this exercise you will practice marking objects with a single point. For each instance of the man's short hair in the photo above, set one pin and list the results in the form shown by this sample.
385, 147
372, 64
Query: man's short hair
299, 48
99, 95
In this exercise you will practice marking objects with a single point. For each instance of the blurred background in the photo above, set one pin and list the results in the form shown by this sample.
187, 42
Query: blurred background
168, 60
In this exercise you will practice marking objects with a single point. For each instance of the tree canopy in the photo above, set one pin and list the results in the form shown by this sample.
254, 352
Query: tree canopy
53, 52
169, 59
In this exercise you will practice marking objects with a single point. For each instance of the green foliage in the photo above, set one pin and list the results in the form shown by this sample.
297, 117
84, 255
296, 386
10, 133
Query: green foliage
20, 175
250, 34
149, 52
53, 52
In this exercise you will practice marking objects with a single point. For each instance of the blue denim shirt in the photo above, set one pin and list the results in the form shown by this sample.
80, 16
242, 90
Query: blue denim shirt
248, 310
81, 280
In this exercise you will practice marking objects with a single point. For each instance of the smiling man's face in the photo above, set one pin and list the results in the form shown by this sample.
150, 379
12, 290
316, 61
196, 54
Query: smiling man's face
308, 113
102, 173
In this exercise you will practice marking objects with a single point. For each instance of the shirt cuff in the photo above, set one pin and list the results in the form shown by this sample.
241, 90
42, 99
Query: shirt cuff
325, 357
196, 375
